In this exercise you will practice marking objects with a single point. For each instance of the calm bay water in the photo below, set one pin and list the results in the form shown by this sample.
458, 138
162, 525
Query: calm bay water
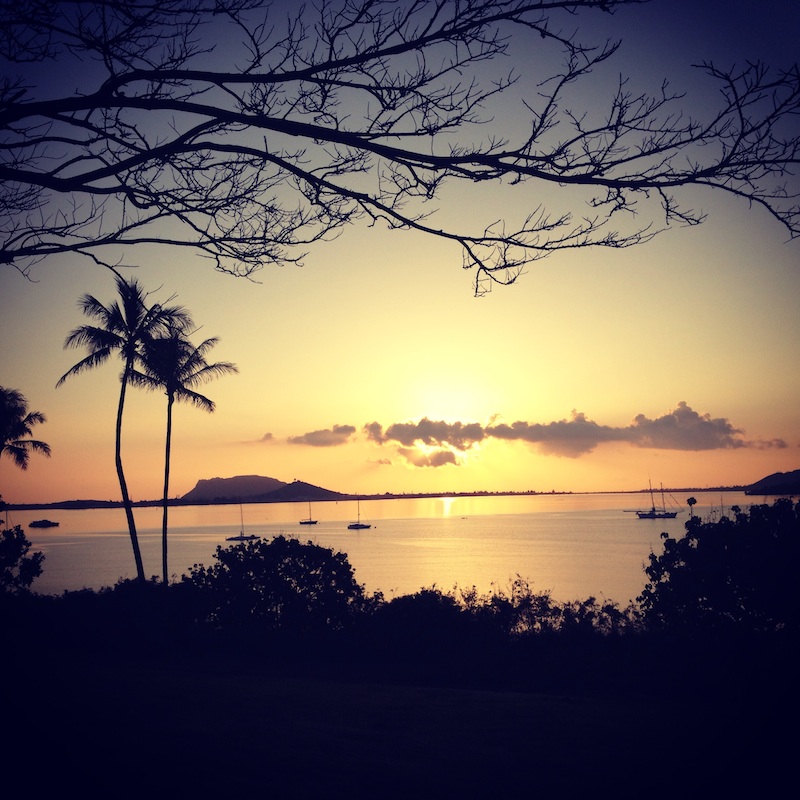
575, 545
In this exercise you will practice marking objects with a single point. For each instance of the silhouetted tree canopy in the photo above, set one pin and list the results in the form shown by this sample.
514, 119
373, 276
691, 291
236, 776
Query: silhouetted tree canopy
734, 574
247, 129
283, 584
18, 566
16, 426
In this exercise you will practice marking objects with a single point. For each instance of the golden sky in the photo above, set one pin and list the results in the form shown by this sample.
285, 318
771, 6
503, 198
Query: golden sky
373, 368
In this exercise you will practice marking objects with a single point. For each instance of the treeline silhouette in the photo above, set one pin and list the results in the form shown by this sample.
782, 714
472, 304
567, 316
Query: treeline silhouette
726, 585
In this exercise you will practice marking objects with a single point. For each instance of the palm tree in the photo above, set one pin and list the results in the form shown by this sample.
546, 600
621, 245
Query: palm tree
172, 364
123, 327
16, 424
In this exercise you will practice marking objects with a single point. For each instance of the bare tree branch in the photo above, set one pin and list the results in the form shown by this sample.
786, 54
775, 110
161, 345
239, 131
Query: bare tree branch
247, 130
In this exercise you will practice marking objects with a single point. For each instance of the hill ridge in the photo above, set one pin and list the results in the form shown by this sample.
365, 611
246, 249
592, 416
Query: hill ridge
777, 483
254, 488
239, 487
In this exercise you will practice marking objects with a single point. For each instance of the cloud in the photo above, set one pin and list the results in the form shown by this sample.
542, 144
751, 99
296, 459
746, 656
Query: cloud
770, 444
419, 458
265, 439
679, 429
374, 432
458, 435
685, 429
571, 438
428, 443
329, 437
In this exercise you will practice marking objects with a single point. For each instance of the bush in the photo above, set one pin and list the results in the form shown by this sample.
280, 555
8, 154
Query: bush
281, 585
734, 574
18, 568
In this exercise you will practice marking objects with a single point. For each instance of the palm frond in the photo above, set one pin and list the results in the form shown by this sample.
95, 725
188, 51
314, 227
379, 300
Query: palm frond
91, 361
211, 371
92, 338
186, 395
16, 423
19, 455
178, 366
142, 380
33, 418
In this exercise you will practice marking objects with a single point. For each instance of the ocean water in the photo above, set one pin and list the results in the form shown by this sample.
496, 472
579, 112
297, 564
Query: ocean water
574, 546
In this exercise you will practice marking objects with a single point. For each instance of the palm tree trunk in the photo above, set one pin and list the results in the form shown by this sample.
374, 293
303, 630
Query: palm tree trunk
123, 485
170, 401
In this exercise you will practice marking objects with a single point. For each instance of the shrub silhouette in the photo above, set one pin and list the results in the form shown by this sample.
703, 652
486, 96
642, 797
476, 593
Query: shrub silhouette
281, 585
420, 624
18, 566
734, 574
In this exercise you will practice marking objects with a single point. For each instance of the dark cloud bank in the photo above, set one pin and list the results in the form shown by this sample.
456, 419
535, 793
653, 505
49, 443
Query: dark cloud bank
435, 443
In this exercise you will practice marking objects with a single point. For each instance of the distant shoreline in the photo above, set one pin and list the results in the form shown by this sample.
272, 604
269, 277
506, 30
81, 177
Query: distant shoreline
177, 502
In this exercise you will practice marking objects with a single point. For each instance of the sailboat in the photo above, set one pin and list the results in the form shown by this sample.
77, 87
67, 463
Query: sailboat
358, 526
43, 523
242, 537
657, 512
308, 521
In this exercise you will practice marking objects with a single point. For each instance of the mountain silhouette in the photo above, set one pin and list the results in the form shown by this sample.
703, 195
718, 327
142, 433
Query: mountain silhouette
242, 487
299, 490
256, 488
777, 483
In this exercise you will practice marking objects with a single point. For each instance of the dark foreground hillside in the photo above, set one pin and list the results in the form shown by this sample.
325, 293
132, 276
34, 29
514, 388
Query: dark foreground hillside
94, 723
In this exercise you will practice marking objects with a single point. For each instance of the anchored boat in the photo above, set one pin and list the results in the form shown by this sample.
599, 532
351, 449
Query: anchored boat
358, 526
242, 537
657, 512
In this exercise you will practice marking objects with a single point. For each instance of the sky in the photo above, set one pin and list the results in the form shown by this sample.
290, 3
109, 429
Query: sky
373, 368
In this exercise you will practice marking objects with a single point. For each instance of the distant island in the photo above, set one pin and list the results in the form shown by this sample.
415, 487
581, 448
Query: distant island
261, 489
